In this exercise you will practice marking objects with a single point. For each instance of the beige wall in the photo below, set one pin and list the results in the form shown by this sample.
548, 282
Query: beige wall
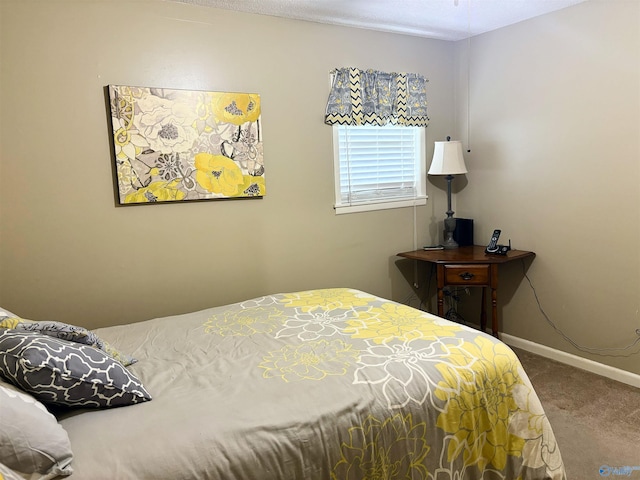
555, 163
554, 132
68, 253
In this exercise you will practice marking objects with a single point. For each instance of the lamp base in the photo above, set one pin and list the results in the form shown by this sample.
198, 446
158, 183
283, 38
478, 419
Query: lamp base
449, 228
450, 243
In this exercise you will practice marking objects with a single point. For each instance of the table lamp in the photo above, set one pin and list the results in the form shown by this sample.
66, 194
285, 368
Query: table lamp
448, 160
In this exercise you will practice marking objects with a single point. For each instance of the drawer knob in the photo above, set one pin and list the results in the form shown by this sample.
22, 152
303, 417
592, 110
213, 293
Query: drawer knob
466, 275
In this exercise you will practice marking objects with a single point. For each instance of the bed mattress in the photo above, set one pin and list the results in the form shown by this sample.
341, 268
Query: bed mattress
320, 384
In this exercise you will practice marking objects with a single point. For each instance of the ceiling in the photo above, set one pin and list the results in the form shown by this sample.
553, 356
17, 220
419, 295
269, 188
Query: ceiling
441, 19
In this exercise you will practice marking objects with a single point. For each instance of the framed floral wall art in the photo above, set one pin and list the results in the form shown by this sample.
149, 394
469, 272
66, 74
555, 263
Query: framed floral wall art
178, 145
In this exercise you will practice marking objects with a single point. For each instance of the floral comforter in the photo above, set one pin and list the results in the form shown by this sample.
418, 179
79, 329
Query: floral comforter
322, 384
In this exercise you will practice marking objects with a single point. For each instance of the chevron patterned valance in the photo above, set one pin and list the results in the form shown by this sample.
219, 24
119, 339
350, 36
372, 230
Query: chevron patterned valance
370, 97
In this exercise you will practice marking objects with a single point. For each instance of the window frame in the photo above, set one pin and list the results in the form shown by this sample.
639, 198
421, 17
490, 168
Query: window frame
419, 197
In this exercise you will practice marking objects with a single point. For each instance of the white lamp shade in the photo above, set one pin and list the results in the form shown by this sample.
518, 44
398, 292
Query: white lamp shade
447, 159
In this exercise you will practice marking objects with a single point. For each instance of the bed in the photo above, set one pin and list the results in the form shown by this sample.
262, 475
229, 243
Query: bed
320, 384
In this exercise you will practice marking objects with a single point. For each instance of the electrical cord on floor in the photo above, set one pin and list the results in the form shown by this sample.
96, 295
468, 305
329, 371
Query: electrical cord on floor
592, 350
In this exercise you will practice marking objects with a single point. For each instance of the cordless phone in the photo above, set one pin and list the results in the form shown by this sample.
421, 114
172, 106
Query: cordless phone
493, 248
493, 244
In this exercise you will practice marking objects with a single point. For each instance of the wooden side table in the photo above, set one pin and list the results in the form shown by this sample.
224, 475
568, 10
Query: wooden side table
468, 267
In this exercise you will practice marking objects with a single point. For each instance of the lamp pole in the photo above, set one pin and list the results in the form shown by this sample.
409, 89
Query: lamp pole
449, 222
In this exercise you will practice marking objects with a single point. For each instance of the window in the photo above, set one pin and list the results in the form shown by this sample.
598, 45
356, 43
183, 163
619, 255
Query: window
378, 167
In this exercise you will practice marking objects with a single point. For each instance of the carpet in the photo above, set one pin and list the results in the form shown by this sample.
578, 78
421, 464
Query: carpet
596, 420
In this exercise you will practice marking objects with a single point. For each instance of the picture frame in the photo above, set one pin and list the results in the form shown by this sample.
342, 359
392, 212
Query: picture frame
181, 145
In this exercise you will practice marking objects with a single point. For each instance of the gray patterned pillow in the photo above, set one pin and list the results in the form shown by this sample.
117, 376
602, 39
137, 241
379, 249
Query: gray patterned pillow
66, 373
76, 334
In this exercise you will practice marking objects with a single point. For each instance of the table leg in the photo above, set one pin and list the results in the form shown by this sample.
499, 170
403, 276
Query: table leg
483, 310
440, 302
440, 281
494, 312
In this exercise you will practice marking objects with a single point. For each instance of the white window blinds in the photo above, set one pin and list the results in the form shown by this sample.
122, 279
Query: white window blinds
378, 164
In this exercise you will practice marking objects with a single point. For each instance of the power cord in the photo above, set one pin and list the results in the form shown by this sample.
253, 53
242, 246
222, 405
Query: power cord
451, 313
592, 350
423, 305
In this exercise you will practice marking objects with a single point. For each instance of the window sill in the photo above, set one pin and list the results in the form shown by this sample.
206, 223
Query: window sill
367, 207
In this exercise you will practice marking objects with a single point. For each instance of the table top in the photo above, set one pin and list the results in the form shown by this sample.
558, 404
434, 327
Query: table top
472, 254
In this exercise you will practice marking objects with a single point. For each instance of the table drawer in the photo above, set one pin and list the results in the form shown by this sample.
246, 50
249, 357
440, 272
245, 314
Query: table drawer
467, 274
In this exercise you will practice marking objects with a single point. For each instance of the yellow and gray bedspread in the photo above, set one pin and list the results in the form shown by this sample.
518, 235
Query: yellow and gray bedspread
321, 384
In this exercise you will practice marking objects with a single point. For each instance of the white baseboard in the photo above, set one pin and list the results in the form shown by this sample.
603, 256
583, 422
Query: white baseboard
585, 364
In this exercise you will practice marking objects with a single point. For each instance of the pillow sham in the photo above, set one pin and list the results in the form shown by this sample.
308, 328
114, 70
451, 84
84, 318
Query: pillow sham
76, 334
8, 474
6, 313
8, 319
68, 332
32, 442
65, 373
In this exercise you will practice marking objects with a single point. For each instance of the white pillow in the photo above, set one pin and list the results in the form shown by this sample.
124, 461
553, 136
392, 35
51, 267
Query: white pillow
32, 442
6, 313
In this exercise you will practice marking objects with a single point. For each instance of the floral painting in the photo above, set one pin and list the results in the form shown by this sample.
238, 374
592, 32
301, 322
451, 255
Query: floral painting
178, 145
